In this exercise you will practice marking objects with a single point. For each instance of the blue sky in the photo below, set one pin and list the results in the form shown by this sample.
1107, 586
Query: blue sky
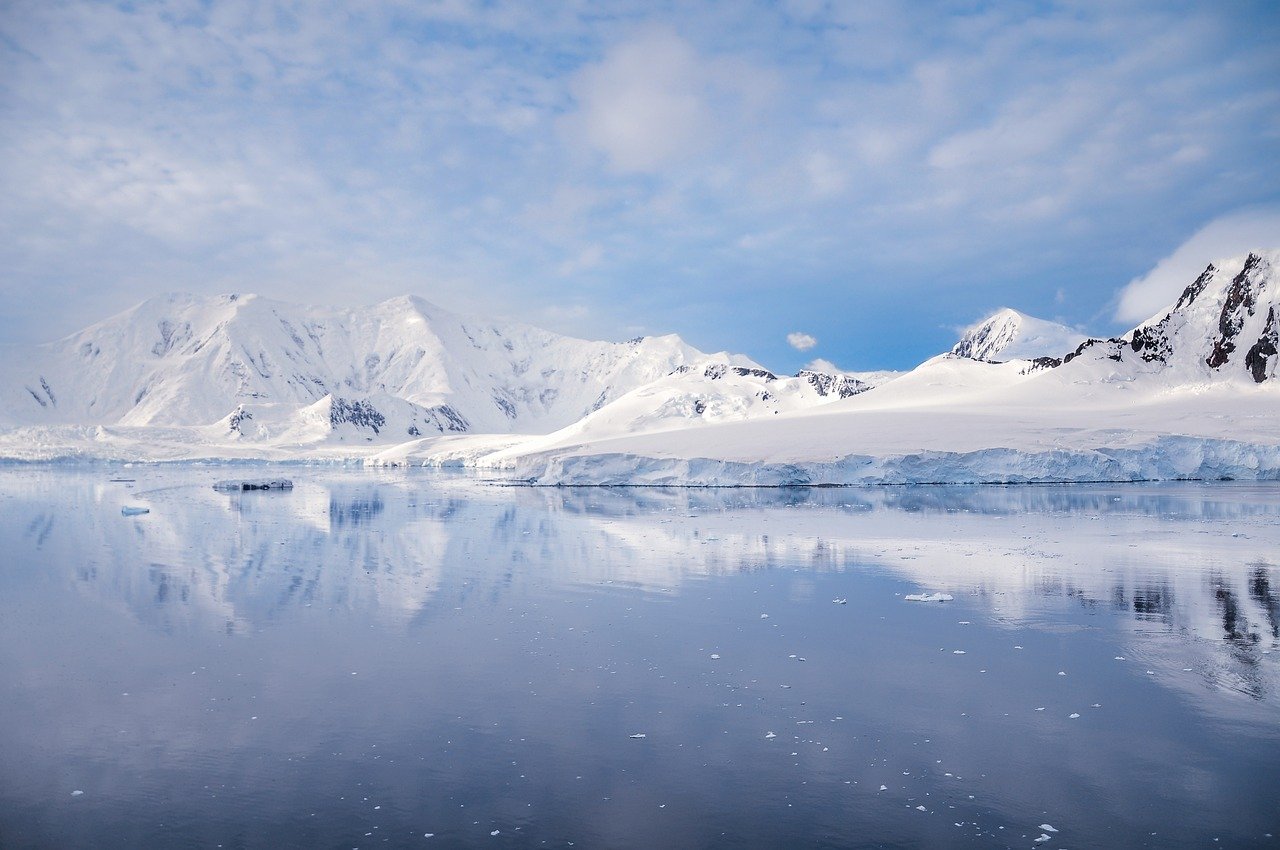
866, 176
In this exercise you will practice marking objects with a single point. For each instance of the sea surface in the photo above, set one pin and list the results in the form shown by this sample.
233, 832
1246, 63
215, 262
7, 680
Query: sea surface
409, 659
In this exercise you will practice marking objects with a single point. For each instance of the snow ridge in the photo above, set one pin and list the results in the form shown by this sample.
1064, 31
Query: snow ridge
1190, 393
249, 369
1224, 325
1010, 335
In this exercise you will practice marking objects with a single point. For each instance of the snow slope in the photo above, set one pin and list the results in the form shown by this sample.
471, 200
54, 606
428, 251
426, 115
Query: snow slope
1009, 335
184, 360
242, 376
1189, 394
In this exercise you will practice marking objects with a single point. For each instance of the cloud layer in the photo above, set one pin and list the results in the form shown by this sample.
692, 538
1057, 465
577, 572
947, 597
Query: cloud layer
872, 172
1221, 239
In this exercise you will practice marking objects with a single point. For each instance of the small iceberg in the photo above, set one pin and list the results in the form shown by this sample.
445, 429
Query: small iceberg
928, 597
242, 486
134, 510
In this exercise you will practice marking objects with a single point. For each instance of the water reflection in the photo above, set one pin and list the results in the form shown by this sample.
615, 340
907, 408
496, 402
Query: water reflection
440, 649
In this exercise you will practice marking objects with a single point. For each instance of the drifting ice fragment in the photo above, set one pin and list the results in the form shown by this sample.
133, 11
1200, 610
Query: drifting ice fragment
1042, 839
1047, 828
76, 793
134, 510
928, 597
840, 601
239, 486
637, 735
771, 735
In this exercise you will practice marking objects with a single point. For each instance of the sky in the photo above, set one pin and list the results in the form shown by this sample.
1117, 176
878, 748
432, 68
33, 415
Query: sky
789, 180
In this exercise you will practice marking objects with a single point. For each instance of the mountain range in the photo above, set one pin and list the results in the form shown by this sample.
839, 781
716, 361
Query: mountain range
1189, 393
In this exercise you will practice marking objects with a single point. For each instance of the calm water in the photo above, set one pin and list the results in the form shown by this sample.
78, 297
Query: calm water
372, 658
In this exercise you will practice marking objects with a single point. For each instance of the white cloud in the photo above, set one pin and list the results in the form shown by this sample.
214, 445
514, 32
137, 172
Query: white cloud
801, 341
710, 154
641, 105
1222, 238
819, 365
654, 101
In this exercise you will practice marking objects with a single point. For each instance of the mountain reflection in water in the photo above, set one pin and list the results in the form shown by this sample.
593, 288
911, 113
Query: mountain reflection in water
498, 619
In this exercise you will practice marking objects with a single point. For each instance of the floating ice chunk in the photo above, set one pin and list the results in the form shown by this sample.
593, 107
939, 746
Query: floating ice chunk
884, 787
770, 735
928, 597
1072, 716
921, 809
77, 793
134, 510
715, 656
266, 484
764, 616
840, 601
637, 735
1042, 839
957, 652
495, 832
1044, 827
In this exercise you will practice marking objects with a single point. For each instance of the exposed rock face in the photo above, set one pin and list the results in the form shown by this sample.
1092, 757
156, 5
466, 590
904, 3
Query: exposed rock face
1239, 303
840, 386
447, 419
1224, 310
359, 413
987, 339
1010, 335
1260, 359
238, 418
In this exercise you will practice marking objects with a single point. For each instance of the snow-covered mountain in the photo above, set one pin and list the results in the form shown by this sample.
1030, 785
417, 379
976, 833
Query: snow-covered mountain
249, 369
1189, 394
1225, 325
185, 360
1009, 335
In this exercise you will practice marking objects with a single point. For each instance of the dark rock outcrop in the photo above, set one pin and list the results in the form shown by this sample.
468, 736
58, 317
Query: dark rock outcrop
1258, 360
359, 413
1239, 303
840, 386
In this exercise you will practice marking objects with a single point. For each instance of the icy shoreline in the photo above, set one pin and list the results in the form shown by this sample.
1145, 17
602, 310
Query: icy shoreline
1163, 459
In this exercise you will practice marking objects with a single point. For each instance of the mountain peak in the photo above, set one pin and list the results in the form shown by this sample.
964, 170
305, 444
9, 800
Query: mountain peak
1008, 334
